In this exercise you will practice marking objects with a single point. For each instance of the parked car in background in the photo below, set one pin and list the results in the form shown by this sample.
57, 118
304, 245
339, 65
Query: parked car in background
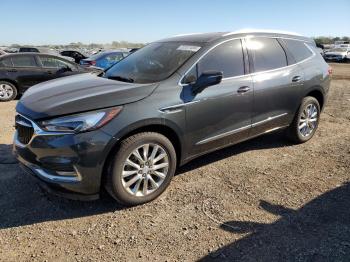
2, 52
341, 44
339, 54
20, 71
104, 59
166, 104
42, 50
77, 56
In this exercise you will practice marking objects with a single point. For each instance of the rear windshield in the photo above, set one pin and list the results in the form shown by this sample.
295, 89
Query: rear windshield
97, 56
153, 63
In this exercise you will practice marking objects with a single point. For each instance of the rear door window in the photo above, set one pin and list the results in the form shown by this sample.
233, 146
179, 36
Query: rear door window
52, 62
24, 61
226, 58
6, 62
48, 62
298, 49
267, 54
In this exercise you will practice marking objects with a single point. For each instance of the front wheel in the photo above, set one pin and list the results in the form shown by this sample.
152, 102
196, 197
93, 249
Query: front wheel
142, 168
8, 91
305, 121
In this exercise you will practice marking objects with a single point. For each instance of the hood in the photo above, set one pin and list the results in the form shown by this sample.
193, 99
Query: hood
79, 93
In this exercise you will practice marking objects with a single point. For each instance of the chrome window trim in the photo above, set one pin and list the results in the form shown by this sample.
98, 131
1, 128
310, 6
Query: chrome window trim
250, 74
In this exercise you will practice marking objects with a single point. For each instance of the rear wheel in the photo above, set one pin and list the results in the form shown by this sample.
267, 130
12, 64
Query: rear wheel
306, 121
141, 169
8, 91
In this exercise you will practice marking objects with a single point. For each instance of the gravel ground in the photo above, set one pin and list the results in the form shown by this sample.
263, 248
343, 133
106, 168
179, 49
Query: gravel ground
261, 200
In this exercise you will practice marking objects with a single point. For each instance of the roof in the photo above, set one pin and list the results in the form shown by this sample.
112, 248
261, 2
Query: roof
33, 53
269, 31
209, 37
195, 37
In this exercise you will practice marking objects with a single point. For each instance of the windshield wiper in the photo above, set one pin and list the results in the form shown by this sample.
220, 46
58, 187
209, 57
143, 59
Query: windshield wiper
121, 78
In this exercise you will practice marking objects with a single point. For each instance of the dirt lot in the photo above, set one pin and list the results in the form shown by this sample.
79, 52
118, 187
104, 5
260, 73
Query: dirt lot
262, 200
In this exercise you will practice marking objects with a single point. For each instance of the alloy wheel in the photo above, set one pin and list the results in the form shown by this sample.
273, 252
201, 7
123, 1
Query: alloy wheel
308, 120
145, 169
6, 91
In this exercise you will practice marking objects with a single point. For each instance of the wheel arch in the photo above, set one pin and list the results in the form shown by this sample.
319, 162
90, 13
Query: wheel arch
12, 82
162, 127
318, 94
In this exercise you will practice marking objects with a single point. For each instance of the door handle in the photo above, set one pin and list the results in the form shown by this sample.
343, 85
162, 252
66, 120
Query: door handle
296, 79
243, 89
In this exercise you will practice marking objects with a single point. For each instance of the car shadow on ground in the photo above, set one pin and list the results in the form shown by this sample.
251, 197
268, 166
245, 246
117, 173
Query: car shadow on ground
23, 202
318, 231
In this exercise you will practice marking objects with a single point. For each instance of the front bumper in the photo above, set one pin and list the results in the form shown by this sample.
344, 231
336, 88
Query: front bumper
67, 164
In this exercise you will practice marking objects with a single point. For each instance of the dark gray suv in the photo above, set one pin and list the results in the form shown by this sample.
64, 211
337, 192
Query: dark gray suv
171, 101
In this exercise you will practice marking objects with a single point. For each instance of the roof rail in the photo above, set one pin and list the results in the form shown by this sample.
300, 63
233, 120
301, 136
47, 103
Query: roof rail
249, 30
186, 34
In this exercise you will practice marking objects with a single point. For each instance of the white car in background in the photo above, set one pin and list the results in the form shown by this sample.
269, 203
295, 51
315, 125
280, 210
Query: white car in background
339, 54
2, 52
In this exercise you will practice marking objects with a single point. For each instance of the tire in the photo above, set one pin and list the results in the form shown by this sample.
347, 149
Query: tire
309, 114
130, 190
8, 91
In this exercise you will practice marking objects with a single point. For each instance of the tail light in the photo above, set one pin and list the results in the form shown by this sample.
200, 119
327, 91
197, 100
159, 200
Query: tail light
93, 63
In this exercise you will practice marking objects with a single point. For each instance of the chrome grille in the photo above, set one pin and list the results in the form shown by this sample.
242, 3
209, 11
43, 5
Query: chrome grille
24, 129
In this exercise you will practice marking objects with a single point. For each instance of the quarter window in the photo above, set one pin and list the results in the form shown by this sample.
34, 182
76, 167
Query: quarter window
226, 58
298, 49
23, 61
267, 54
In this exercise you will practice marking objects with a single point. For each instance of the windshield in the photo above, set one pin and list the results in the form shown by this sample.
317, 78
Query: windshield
338, 50
152, 63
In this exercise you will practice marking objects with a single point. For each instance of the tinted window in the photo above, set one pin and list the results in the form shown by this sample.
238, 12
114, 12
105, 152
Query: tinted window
226, 58
6, 62
23, 61
63, 64
191, 76
52, 62
298, 49
28, 49
48, 62
267, 54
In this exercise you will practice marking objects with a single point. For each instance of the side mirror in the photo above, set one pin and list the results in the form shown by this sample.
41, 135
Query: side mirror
207, 78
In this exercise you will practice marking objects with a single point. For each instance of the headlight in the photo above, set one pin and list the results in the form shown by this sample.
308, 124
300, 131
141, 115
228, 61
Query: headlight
80, 122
